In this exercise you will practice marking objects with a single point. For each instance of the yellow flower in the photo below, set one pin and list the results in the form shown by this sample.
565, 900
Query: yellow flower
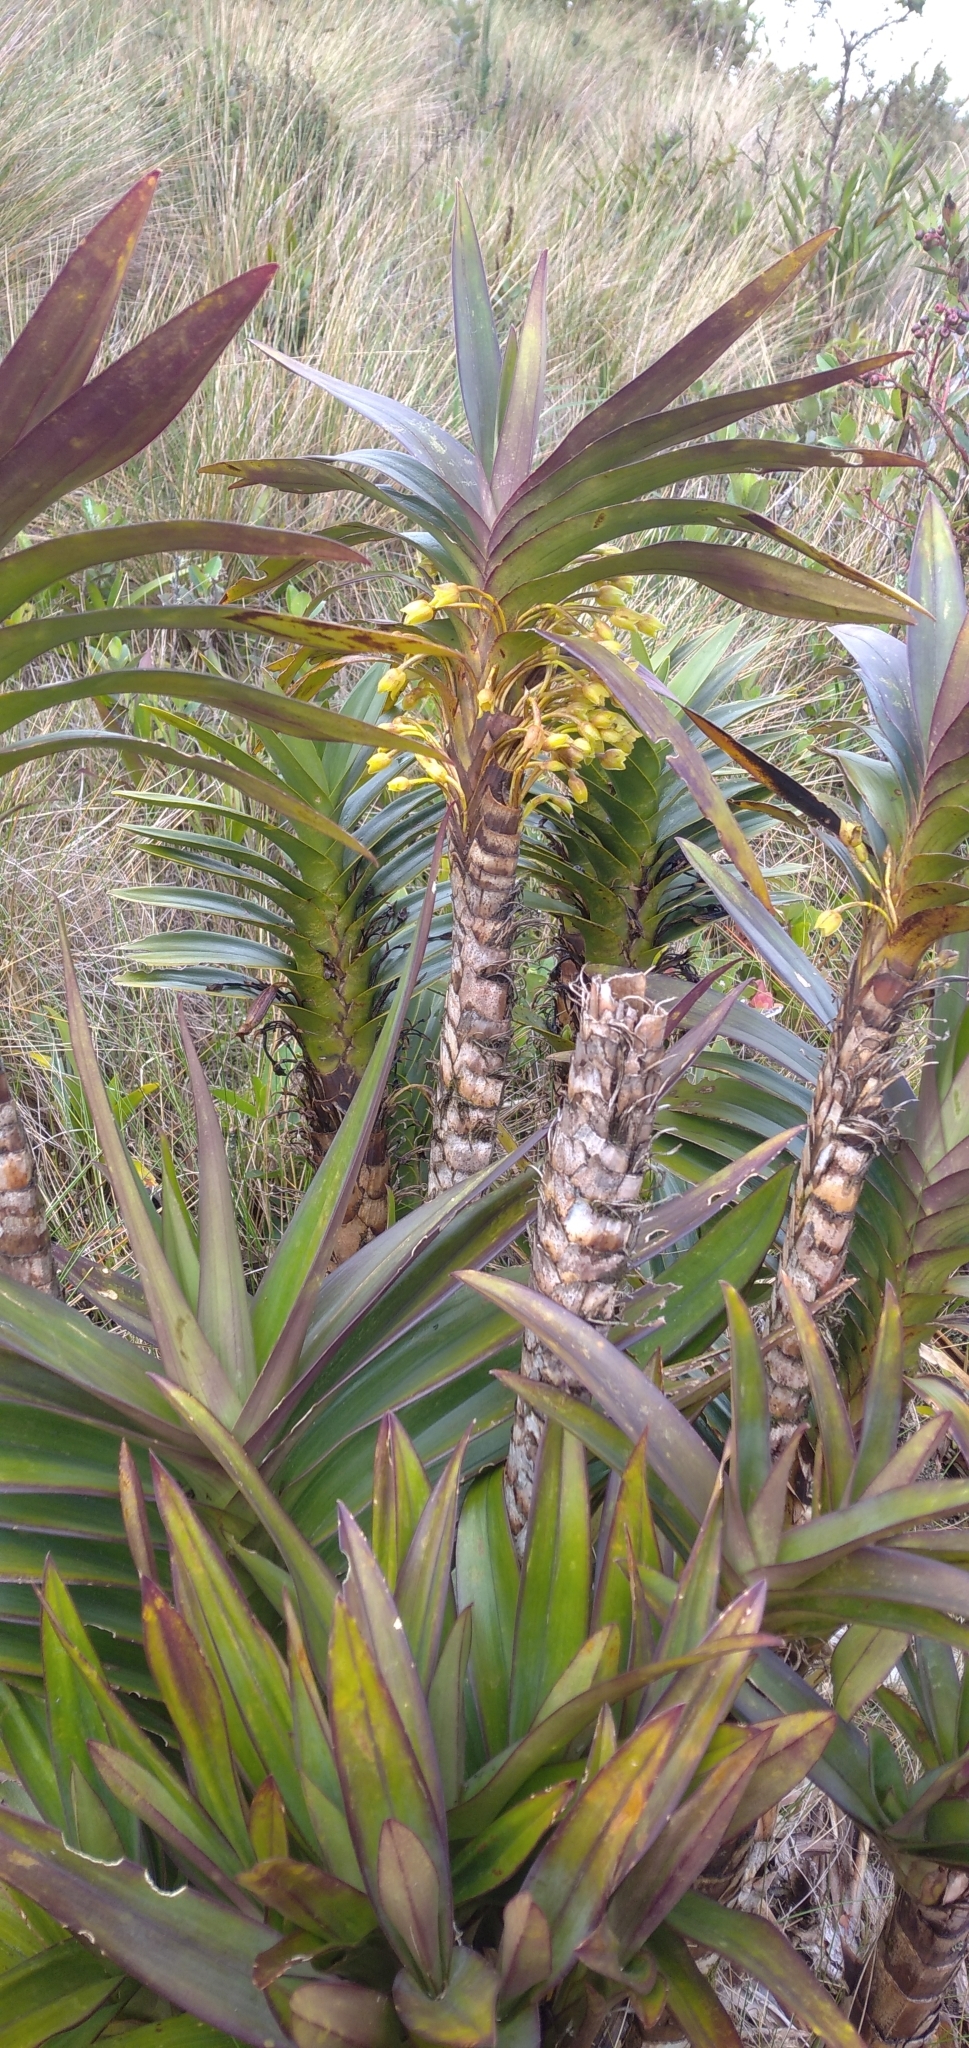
614, 757
444, 595
595, 693
827, 923
378, 760
398, 783
418, 613
610, 596
393, 682
577, 789
647, 625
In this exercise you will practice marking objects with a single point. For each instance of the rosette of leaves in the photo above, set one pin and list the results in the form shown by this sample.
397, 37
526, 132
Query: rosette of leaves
908, 878
490, 680
457, 1803
612, 873
337, 913
300, 1371
60, 429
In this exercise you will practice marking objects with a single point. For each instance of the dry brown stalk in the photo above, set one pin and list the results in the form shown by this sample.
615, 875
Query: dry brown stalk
476, 1032
589, 1203
25, 1248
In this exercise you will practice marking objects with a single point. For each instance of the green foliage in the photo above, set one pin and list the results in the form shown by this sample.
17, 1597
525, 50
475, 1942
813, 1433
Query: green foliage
403, 1805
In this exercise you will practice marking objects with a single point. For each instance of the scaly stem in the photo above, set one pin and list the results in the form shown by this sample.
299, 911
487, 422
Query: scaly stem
25, 1249
589, 1205
476, 1031
846, 1126
921, 1947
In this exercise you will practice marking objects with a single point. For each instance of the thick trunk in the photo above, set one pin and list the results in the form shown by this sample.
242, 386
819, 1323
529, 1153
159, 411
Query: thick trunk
327, 1099
25, 1248
846, 1126
476, 1032
921, 1946
589, 1204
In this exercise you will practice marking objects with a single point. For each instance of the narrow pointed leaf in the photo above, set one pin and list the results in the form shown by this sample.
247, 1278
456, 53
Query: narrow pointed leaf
517, 441
556, 1579
224, 1313
475, 334
486, 1581
311, 1899
30, 570
188, 1358
690, 1995
760, 1949
400, 1493
493, 1856
367, 1597
424, 1582
834, 1422
190, 1694
771, 940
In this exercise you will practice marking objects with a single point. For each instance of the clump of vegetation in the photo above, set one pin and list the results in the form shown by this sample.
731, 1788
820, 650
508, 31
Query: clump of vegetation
484, 1396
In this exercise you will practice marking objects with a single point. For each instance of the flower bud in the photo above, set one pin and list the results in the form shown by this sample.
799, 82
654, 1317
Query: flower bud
444, 595
827, 923
418, 613
378, 760
391, 684
577, 789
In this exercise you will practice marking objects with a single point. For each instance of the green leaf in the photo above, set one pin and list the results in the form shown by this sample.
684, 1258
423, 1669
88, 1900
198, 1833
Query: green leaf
486, 1580
551, 1623
883, 1399
308, 1240
223, 1311
492, 1857
748, 1403
517, 441
937, 581
641, 702
331, 2013
367, 1597
626, 1532
191, 1696
424, 1581
188, 1357
690, 1995
34, 569
463, 2016
834, 1422
446, 1706
475, 334
759, 1948
400, 1493
315, 1586
311, 1899
629, 1399
51, 1992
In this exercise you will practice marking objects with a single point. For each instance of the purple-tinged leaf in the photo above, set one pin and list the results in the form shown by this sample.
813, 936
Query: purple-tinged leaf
447, 457
171, 1813
883, 1399
180, 1944
794, 1746
446, 1705
191, 1696
685, 1845
834, 1422
676, 1453
574, 1874
667, 1222
135, 1514
53, 353
475, 333
410, 1901
525, 1955
267, 1821
882, 663
643, 703
311, 1899
332, 2013
118, 413
773, 942
518, 439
